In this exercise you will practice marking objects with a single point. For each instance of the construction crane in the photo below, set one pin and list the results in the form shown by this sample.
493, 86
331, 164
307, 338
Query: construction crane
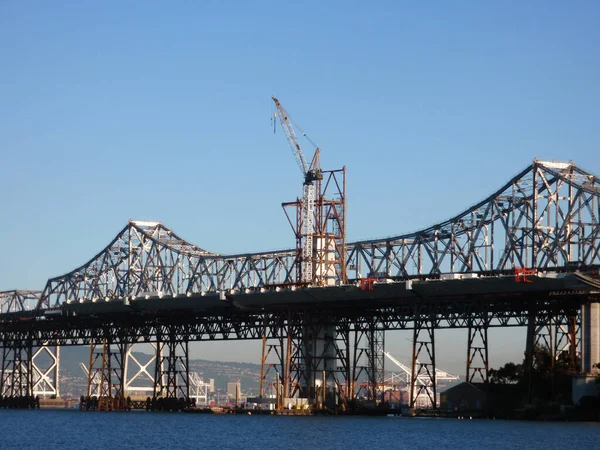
440, 375
311, 174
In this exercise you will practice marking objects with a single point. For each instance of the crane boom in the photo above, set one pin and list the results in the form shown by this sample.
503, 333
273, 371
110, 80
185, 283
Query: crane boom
291, 137
398, 363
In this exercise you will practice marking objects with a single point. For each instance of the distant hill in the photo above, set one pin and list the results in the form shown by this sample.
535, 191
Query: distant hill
74, 381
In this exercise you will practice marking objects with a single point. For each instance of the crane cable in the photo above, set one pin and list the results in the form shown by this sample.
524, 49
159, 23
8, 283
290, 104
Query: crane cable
293, 122
303, 133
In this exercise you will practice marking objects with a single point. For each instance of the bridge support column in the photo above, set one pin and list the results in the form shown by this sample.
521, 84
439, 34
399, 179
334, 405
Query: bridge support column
45, 365
138, 379
273, 367
375, 357
590, 330
477, 353
422, 381
530, 345
105, 377
16, 382
325, 367
171, 379
313, 365
560, 334
345, 379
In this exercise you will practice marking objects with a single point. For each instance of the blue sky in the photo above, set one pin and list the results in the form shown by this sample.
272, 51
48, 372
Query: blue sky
115, 110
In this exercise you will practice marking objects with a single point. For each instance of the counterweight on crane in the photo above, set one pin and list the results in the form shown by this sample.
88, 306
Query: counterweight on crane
311, 174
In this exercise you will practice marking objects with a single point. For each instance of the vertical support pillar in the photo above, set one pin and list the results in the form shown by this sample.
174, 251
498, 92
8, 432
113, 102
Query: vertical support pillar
16, 380
560, 335
323, 361
375, 357
530, 345
590, 331
311, 362
423, 381
171, 379
106, 376
343, 377
573, 336
477, 353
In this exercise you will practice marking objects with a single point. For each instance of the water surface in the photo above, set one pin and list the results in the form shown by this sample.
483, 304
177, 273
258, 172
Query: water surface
72, 429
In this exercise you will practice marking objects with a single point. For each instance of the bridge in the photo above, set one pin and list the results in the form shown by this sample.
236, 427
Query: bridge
528, 255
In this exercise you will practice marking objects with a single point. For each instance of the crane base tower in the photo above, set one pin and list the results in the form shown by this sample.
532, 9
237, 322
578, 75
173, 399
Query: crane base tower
327, 262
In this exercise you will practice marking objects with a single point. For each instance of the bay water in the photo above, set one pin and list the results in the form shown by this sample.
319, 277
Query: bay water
73, 429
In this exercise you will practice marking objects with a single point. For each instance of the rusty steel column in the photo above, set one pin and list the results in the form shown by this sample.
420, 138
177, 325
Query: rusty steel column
105, 382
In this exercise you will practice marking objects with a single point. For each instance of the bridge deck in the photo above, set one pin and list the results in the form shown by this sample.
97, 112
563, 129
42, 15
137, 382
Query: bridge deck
382, 292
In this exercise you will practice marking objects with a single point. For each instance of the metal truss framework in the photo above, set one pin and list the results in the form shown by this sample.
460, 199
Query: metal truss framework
328, 259
375, 361
477, 352
423, 347
545, 218
304, 348
17, 372
562, 336
16, 301
171, 374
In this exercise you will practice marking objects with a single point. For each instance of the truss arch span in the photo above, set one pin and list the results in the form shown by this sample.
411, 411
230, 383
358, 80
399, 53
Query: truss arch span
545, 218
149, 259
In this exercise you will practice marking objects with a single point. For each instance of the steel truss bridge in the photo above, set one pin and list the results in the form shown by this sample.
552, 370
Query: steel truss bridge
528, 255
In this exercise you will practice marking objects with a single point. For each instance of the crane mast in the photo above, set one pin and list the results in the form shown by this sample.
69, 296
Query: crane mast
311, 174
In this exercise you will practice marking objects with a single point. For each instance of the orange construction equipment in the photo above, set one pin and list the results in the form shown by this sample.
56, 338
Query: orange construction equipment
521, 275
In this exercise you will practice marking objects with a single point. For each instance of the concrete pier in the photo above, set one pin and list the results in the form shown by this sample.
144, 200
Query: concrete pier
590, 334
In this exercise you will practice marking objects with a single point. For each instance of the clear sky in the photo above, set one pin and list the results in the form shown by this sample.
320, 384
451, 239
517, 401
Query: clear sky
161, 111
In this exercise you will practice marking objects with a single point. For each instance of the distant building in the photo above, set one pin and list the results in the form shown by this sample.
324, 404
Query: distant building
481, 398
234, 390
464, 397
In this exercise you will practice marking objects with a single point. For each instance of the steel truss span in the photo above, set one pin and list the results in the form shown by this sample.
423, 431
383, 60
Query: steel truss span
545, 218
